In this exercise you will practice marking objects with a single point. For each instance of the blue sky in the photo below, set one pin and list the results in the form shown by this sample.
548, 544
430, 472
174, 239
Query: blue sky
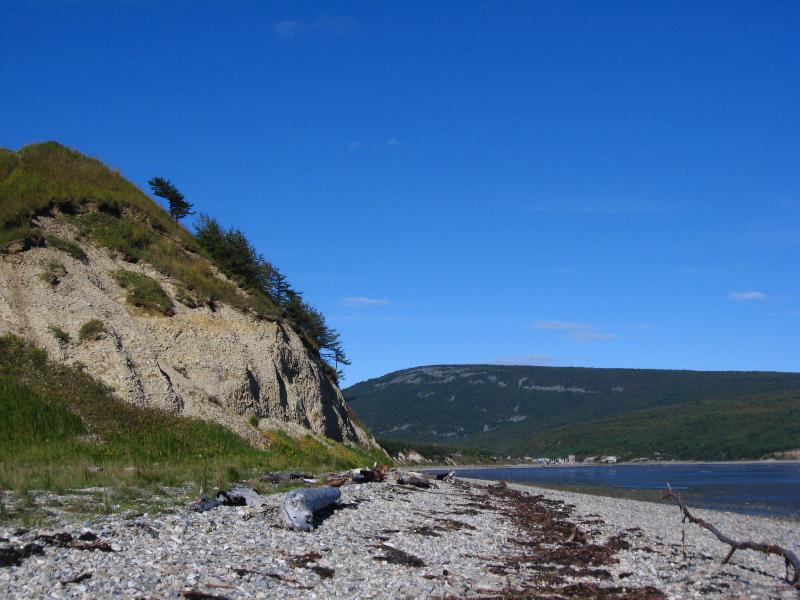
609, 184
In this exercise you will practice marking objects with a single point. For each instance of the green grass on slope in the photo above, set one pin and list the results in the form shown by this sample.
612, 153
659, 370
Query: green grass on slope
728, 429
58, 422
41, 176
144, 292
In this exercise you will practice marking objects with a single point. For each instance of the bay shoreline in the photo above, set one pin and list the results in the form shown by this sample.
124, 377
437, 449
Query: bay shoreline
466, 539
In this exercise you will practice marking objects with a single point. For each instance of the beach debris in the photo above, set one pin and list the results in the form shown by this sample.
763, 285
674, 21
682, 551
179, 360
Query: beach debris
561, 550
237, 496
193, 594
284, 477
362, 476
78, 578
221, 499
299, 505
305, 561
376, 473
449, 476
86, 541
790, 559
336, 481
13, 555
413, 479
396, 556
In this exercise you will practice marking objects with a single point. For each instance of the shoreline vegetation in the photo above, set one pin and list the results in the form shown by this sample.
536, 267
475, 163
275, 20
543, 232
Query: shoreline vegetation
63, 430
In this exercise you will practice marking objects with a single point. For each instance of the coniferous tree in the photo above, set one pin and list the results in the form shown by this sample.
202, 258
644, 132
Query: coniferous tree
237, 257
178, 206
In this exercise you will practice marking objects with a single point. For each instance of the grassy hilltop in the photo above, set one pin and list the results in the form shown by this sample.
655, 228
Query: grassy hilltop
48, 178
555, 411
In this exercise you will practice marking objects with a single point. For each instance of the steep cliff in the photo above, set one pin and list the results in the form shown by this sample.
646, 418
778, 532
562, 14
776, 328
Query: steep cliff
66, 287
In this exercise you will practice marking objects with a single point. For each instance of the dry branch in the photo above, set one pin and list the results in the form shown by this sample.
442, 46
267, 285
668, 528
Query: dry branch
790, 558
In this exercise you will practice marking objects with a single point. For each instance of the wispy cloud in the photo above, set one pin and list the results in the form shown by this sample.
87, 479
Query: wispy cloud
387, 144
359, 301
747, 296
524, 359
394, 143
336, 25
578, 332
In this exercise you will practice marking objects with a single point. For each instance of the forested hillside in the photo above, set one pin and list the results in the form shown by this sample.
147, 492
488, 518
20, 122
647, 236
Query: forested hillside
554, 411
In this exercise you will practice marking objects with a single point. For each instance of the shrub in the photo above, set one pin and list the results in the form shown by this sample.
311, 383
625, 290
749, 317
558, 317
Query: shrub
253, 420
91, 330
58, 333
188, 298
128, 238
238, 258
52, 272
144, 292
70, 248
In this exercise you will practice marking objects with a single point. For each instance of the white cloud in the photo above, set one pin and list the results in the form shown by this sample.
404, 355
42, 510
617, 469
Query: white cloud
358, 301
395, 143
289, 29
747, 296
391, 142
578, 332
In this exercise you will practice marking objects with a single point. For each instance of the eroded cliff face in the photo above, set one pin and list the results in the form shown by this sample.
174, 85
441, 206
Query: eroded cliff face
220, 365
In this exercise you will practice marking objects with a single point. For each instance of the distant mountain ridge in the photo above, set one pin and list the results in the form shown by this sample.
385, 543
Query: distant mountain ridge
553, 411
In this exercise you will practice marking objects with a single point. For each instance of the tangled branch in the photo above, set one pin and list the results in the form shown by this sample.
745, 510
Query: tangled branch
790, 558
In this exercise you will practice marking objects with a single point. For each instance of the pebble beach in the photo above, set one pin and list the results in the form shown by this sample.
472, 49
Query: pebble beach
461, 539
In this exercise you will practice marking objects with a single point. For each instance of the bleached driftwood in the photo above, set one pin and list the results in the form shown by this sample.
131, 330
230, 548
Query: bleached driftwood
299, 505
790, 558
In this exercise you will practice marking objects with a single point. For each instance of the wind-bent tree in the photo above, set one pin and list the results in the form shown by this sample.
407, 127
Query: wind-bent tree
238, 258
178, 206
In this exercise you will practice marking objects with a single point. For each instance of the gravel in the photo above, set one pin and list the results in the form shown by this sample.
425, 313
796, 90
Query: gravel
383, 541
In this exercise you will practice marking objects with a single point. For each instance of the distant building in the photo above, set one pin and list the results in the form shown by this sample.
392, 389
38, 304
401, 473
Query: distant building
571, 459
609, 459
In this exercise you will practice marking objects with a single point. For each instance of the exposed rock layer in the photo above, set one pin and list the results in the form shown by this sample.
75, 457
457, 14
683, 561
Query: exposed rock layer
219, 364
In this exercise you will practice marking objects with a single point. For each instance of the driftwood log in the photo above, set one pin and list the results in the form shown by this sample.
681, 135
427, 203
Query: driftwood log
790, 558
299, 505
414, 479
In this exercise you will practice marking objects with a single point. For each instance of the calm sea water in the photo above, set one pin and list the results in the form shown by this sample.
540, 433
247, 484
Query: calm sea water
761, 489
